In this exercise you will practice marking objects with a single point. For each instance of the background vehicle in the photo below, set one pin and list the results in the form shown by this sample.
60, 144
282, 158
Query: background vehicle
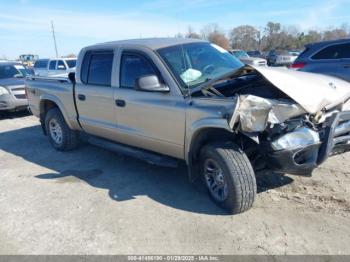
12, 86
165, 100
28, 59
281, 57
40, 67
246, 59
255, 53
58, 67
329, 58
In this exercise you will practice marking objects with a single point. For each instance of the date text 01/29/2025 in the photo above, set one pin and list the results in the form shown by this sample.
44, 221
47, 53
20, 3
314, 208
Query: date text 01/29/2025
173, 258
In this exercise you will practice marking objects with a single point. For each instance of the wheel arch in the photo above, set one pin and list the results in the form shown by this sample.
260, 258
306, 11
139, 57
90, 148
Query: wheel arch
199, 139
47, 103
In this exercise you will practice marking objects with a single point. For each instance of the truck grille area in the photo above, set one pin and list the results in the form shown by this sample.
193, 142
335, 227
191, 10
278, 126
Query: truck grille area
336, 138
20, 96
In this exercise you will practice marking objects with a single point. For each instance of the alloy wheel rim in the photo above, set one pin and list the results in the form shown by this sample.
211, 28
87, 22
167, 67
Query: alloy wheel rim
216, 180
55, 131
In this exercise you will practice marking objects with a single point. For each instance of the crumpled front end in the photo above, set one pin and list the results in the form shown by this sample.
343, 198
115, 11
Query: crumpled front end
255, 113
291, 140
287, 120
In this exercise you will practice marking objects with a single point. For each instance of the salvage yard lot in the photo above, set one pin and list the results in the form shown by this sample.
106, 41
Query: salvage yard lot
91, 201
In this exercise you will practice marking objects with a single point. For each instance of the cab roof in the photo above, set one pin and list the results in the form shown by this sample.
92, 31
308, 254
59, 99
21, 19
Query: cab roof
151, 43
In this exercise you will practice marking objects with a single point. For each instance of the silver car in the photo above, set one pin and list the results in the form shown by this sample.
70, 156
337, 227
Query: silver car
282, 57
12, 86
248, 60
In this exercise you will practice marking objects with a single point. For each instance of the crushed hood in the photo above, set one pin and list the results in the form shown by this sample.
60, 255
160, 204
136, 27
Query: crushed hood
312, 92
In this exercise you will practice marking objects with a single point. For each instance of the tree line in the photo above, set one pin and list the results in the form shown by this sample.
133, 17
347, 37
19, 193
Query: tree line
273, 36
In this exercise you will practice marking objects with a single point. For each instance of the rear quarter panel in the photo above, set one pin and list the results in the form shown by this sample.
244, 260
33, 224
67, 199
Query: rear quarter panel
59, 93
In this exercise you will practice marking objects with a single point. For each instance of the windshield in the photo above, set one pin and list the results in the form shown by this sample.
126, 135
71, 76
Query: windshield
11, 71
240, 54
71, 63
196, 63
254, 53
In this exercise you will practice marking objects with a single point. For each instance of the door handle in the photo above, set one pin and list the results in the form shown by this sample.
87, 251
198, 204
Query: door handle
347, 66
120, 103
81, 97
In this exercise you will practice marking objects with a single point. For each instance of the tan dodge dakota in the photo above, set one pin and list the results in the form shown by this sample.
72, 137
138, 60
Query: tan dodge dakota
170, 100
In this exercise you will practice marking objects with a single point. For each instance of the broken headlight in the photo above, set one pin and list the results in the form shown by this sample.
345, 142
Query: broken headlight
300, 137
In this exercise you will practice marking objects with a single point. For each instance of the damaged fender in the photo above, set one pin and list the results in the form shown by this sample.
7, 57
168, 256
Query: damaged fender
254, 113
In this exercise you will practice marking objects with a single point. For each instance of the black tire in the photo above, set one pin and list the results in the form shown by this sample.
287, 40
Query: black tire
69, 138
236, 173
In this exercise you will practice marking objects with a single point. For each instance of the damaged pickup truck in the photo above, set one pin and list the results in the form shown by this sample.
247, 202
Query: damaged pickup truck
167, 100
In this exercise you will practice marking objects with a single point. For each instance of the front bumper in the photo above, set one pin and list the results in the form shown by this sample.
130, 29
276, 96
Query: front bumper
335, 139
13, 102
300, 161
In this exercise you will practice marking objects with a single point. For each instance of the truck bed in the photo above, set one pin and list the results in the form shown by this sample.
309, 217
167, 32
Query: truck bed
57, 89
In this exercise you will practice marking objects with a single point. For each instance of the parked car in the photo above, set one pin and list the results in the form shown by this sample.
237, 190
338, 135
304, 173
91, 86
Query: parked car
59, 67
169, 100
281, 57
328, 57
12, 83
246, 59
255, 53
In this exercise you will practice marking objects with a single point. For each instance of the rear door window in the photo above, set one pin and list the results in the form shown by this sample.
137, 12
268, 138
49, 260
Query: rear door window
338, 51
96, 68
39, 64
52, 65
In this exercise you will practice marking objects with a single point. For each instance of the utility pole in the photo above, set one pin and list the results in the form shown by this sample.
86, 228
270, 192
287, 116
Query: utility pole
54, 38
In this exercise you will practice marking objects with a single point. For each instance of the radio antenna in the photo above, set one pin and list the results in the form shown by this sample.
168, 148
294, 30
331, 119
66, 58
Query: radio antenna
54, 38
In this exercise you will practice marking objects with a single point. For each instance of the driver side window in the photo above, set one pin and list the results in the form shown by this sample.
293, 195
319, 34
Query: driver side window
134, 66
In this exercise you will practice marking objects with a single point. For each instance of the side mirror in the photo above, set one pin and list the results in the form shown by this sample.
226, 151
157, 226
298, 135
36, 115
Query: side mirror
150, 83
71, 77
61, 67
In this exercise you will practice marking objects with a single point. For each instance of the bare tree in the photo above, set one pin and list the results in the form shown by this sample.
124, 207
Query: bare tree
208, 30
219, 39
245, 37
192, 34
334, 34
179, 35
69, 56
274, 36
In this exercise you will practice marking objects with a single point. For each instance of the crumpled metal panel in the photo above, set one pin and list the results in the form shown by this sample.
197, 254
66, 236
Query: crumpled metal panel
346, 106
255, 113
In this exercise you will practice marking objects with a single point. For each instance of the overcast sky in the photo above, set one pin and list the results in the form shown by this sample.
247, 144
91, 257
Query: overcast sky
25, 24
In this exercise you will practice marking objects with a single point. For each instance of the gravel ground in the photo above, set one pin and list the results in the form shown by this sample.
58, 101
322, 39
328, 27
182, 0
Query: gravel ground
91, 201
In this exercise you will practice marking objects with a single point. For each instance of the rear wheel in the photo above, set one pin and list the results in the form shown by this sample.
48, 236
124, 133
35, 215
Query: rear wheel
228, 176
60, 135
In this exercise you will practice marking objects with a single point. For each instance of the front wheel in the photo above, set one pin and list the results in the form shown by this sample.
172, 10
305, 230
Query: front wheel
60, 135
229, 176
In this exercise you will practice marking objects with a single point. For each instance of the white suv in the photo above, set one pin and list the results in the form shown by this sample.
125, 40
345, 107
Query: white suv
55, 67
